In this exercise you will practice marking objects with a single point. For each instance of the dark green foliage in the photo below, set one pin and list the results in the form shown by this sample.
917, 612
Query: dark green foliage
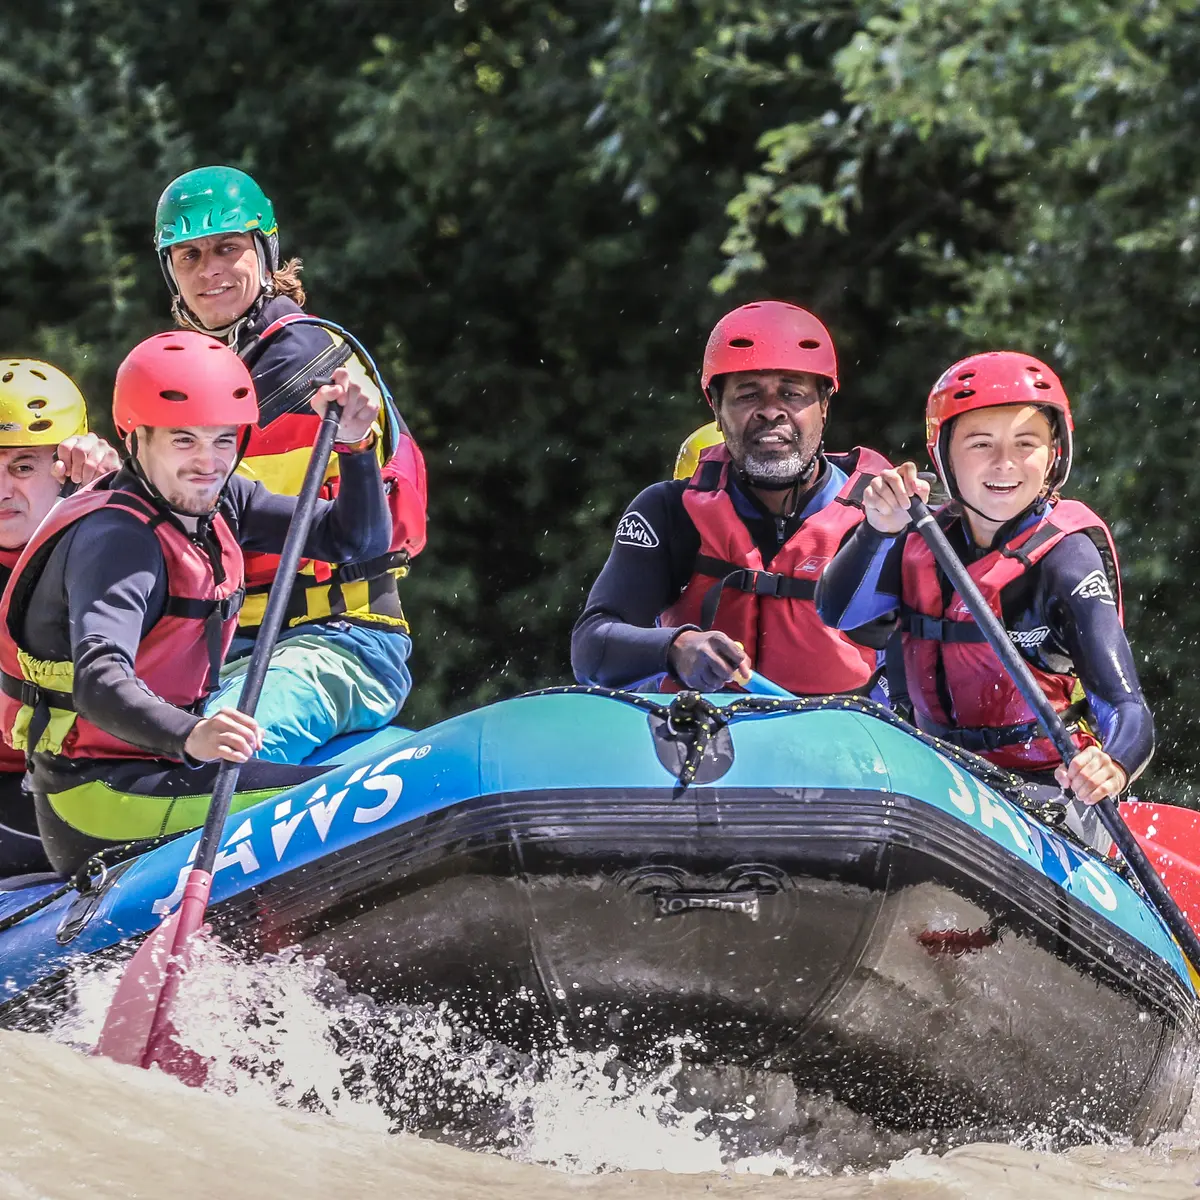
535, 213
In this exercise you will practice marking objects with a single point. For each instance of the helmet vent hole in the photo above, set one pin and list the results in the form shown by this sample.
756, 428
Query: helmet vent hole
38, 426
810, 344
965, 376
1041, 383
172, 347
742, 343
964, 394
39, 375
240, 393
36, 404
178, 397
7, 377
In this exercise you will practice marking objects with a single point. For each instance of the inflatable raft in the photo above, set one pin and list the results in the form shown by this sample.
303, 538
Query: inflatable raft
791, 886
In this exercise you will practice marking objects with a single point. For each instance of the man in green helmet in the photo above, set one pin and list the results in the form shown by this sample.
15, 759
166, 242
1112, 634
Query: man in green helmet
341, 663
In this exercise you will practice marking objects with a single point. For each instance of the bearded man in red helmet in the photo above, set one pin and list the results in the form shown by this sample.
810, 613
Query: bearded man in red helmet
715, 575
1000, 434
123, 603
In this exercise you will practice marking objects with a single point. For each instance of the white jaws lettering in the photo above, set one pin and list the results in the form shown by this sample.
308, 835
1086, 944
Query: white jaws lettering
392, 786
991, 811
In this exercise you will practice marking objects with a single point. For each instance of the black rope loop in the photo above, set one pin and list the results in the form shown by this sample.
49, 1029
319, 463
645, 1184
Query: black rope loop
90, 877
1007, 783
695, 721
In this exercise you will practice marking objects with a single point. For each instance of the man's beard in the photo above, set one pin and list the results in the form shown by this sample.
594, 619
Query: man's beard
773, 472
777, 473
192, 505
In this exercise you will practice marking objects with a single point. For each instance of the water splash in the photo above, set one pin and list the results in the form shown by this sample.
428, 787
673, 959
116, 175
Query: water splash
285, 1031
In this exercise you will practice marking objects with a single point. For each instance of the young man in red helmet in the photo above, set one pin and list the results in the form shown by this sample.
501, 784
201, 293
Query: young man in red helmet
715, 575
122, 605
1000, 435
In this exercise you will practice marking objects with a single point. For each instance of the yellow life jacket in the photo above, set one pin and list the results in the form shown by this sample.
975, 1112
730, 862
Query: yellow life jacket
277, 456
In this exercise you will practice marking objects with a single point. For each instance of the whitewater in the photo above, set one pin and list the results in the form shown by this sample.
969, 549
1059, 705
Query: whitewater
312, 1091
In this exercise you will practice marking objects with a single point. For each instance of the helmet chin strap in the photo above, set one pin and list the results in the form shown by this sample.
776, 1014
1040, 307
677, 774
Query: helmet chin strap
1040, 498
226, 333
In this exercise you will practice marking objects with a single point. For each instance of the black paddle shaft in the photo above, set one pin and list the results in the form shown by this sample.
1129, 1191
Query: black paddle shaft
272, 622
1052, 723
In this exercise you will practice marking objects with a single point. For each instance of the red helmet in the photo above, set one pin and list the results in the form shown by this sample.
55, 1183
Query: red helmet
768, 335
182, 378
998, 377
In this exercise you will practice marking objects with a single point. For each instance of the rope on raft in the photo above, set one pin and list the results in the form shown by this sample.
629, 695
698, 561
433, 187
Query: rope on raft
90, 877
690, 711
699, 720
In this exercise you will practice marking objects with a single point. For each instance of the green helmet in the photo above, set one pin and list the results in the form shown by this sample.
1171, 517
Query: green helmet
212, 200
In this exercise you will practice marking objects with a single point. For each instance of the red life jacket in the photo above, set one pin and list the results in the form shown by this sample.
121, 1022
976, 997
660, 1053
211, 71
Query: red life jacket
178, 659
959, 689
772, 612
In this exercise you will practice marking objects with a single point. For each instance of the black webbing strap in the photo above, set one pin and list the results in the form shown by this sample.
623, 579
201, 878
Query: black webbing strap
1023, 553
377, 571
295, 393
745, 579
201, 610
380, 565
981, 741
854, 497
214, 614
931, 629
41, 700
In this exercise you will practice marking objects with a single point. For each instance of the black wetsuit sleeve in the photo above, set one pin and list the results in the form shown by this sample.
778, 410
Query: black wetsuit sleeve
116, 583
1082, 614
617, 641
355, 526
861, 583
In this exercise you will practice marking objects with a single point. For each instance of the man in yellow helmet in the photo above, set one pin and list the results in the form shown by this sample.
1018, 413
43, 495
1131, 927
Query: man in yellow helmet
45, 449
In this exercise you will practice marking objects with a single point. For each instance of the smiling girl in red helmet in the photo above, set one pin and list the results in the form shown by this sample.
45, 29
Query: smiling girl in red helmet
1000, 434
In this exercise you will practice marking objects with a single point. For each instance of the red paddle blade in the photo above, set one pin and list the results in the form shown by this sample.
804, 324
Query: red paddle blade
1170, 836
138, 1029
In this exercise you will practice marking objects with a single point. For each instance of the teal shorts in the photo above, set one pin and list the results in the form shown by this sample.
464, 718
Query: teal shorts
316, 688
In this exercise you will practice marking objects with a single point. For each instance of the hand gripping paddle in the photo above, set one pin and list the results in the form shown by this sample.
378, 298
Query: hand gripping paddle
138, 1028
1052, 723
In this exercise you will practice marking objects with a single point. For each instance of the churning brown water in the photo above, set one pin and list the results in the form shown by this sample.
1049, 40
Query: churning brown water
279, 1119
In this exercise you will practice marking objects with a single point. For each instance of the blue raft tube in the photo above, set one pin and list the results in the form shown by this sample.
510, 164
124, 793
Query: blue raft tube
800, 886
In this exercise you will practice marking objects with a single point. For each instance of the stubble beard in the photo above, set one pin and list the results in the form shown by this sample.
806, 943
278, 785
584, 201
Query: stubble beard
776, 471
192, 504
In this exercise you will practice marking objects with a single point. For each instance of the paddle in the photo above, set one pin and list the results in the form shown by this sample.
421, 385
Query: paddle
137, 1029
1050, 721
760, 685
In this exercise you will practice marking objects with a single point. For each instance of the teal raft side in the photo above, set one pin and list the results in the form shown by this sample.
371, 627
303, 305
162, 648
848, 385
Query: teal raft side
565, 742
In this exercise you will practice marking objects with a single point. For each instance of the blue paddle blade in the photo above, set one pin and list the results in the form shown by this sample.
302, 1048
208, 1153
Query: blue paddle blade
760, 685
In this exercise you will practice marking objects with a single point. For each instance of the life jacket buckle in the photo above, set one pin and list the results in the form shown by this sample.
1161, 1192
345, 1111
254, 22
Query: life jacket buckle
768, 583
232, 605
31, 694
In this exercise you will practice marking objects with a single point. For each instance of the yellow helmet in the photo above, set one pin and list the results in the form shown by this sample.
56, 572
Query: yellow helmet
39, 404
688, 458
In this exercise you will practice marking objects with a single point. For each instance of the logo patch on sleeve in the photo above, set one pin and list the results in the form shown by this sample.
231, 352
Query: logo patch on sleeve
635, 530
1094, 587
